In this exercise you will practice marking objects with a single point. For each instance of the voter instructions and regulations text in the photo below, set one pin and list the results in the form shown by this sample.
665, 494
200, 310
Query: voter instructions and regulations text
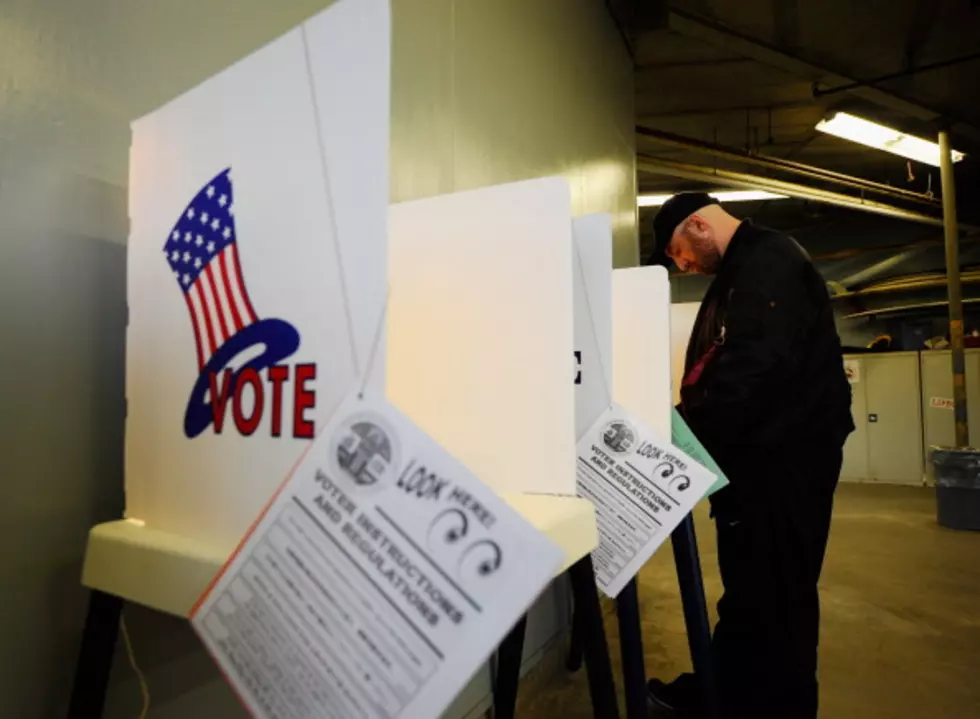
642, 487
378, 580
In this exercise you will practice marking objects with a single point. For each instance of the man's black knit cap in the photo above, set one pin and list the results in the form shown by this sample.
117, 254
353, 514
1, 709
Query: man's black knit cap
673, 212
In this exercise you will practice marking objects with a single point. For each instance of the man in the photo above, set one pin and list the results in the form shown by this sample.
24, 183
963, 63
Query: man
765, 392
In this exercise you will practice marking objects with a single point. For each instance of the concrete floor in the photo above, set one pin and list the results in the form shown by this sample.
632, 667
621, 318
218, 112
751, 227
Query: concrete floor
901, 614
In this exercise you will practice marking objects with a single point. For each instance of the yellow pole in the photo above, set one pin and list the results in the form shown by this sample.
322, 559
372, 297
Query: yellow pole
952, 237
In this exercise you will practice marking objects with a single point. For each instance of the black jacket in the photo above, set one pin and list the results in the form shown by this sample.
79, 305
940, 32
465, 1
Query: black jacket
776, 380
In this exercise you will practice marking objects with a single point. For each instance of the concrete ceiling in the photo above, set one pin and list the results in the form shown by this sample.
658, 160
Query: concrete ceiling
750, 75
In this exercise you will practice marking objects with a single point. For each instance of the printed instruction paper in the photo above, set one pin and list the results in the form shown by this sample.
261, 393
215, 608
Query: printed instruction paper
377, 581
642, 487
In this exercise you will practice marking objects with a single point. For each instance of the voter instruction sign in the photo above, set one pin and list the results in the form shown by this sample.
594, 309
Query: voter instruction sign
642, 487
379, 578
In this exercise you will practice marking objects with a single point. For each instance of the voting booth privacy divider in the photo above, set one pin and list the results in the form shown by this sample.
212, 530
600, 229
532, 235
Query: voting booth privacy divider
641, 340
360, 421
480, 330
682, 318
256, 272
592, 306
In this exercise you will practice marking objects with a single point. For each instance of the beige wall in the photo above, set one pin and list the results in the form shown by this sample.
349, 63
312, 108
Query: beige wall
490, 91
485, 91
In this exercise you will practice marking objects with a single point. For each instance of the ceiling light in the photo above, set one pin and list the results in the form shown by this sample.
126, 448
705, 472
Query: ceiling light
871, 134
725, 196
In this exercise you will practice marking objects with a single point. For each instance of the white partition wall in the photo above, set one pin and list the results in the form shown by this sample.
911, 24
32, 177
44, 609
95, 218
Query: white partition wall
592, 278
682, 318
641, 344
480, 338
256, 269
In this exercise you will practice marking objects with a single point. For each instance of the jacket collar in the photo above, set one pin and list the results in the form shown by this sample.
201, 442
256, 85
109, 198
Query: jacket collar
735, 246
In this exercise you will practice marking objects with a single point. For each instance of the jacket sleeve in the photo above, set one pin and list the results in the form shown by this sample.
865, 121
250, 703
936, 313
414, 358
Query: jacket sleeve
768, 310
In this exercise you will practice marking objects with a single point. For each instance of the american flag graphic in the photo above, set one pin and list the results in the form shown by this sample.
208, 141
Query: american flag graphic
203, 255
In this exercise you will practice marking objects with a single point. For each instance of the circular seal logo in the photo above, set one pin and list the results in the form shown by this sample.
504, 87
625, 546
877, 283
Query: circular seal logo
619, 436
365, 454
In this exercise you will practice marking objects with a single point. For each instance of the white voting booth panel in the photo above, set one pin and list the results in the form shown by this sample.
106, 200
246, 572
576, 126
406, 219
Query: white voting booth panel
641, 342
592, 276
256, 272
682, 317
480, 330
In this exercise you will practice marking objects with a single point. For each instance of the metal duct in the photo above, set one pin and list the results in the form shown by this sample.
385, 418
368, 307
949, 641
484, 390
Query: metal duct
906, 284
904, 308
878, 268
789, 166
742, 180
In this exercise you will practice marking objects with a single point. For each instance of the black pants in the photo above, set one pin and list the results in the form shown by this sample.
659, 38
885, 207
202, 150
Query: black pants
771, 545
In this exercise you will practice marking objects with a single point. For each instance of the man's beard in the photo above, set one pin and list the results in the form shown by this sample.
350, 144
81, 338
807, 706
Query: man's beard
707, 255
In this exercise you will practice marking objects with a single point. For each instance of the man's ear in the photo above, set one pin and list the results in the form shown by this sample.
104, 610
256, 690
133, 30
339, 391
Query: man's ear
696, 222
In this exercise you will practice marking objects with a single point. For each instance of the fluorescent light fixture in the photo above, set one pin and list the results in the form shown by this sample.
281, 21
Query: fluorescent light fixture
725, 196
871, 134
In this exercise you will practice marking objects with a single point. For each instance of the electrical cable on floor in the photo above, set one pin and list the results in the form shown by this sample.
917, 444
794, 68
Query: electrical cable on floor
144, 687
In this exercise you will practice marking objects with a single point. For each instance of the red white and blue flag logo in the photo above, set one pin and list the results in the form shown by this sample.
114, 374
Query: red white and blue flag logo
202, 251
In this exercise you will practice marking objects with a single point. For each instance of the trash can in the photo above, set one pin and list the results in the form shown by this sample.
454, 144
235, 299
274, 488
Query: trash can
957, 487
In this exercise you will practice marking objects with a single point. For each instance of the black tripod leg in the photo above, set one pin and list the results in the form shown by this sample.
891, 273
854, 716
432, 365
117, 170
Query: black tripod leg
95, 656
631, 650
509, 671
602, 688
689, 577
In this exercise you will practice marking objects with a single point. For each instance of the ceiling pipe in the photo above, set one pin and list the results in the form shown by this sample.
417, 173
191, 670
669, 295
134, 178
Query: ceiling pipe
779, 164
921, 283
903, 308
728, 178
904, 252
920, 244
878, 268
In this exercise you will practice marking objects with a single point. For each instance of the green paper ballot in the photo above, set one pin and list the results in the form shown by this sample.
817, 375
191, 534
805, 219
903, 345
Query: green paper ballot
684, 439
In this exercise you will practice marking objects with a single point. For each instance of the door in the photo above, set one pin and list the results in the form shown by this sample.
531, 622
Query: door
894, 418
855, 466
937, 400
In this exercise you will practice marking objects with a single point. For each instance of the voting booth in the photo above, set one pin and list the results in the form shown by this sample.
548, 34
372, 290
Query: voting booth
643, 487
630, 466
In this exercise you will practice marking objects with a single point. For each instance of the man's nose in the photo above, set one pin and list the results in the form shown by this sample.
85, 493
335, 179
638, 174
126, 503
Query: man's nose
681, 263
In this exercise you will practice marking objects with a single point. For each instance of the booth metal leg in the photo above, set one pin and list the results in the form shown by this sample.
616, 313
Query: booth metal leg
631, 650
602, 687
509, 671
574, 661
689, 577
95, 656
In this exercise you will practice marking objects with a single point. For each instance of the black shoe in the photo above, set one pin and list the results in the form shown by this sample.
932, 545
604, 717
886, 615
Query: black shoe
660, 698
677, 699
